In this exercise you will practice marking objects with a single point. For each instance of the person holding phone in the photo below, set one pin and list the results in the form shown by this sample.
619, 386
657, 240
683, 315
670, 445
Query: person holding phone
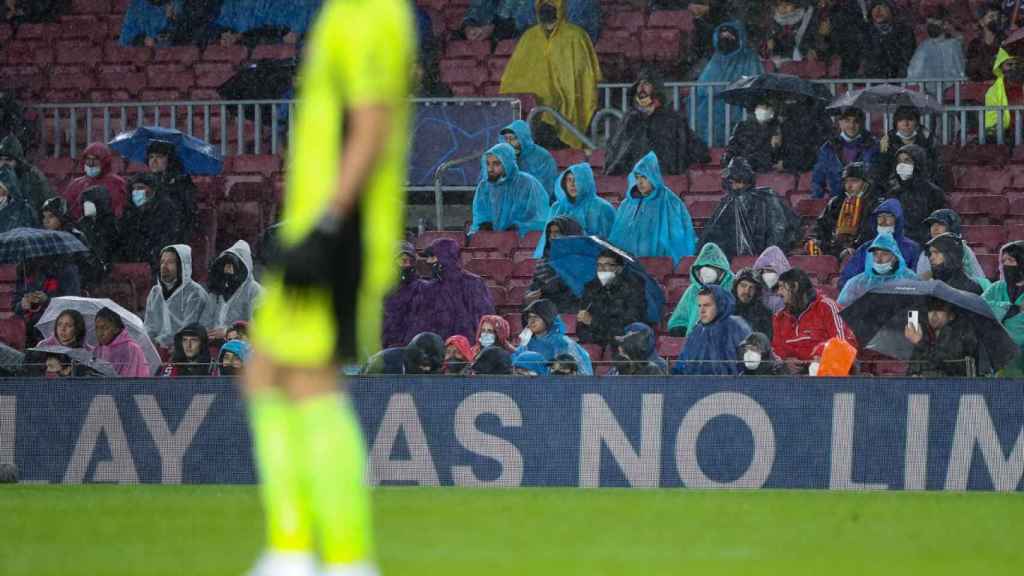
943, 345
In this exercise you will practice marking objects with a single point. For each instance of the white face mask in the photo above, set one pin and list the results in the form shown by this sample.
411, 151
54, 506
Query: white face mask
751, 359
88, 209
3, 201
882, 268
813, 368
763, 114
605, 277
487, 339
93, 171
524, 336
770, 279
904, 171
886, 229
707, 275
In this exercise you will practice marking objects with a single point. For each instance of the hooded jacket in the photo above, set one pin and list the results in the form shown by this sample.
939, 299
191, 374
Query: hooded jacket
638, 356
996, 96
400, 306
891, 144
593, 213
222, 310
942, 355
533, 159
15, 213
770, 364
531, 361
181, 366
236, 347
665, 131
461, 343
546, 279
167, 315
869, 278
909, 249
146, 229
751, 139
685, 317
501, 334
126, 356
656, 225
612, 307
971, 265
742, 61
746, 222
775, 260
1005, 297
554, 341
938, 58
453, 302
33, 186
493, 361
560, 68
827, 175
756, 313
516, 199
919, 196
114, 184
101, 230
952, 269
887, 53
426, 349
710, 349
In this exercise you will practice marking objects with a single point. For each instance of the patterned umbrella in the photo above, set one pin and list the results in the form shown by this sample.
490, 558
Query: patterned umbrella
886, 98
23, 244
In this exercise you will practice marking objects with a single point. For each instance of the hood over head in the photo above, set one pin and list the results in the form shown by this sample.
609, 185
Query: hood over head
586, 185
751, 276
448, 254
505, 154
724, 302
493, 360
949, 218
888, 243
773, 258
239, 254
239, 348
1015, 249
501, 329
1002, 57
638, 342
741, 35
544, 308
197, 330
461, 343
649, 168
559, 8
760, 342
952, 248
102, 153
184, 254
426, 347
890, 206
920, 157
653, 77
711, 255
532, 361
11, 146
523, 133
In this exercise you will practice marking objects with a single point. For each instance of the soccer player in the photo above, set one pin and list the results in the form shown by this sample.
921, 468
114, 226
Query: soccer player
342, 219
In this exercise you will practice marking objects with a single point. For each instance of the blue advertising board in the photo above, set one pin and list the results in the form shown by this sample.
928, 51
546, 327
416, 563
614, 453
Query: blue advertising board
841, 434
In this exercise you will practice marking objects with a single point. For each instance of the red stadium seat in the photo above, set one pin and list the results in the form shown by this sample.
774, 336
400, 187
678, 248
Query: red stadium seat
568, 157
979, 154
994, 180
515, 296
782, 184
524, 269
500, 242
740, 262
824, 267
494, 269
810, 207
684, 266
678, 184
705, 181
611, 185
596, 159
499, 296
657, 267
427, 238
702, 209
528, 240
596, 352
12, 332
570, 323
121, 292
990, 208
991, 237
670, 347
674, 19
274, 52
990, 265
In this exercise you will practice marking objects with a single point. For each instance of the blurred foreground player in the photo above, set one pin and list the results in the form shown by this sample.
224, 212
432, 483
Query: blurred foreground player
342, 219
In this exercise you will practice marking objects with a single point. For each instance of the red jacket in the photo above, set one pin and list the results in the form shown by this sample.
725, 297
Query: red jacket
794, 337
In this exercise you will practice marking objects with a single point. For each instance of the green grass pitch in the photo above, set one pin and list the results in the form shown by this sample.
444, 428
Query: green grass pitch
216, 530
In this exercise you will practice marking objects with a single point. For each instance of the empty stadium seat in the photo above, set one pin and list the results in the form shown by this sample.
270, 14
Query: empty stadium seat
494, 269
989, 264
669, 347
428, 236
657, 267
986, 178
499, 296
810, 207
12, 332
989, 236
981, 207
740, 262
596, 352
824, 267
705, 181
500, 242
570, 323
683, 269
524, 268
701, 209
528, 240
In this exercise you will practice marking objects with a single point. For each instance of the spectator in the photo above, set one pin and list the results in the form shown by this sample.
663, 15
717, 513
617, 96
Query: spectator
233, 292
458, 355
232, 358
769, 266
846, 28
758, 358
150, 222
947, 221
555, 60
173, 183
191, 356
194, 22
712, 346
150, 22
91, 269
238, 331
846, 222
492, 361
888, 45
912, 185
652, 220
545, 334
59, 366
423, 355
400, 304
758, 139
33, 187
942, 54
635, 353
907, 129
942, 347
546, 283
795, 33
426, 81
887, 218
1012, 11
982, 50
97, 161
24, 11
294, 18
248, 21
504, 19
454, 300
807, 320
1006, 297
732, 59
750, 218
39, 281
14, 211
176, 300
852, 144
577, 199
946, 256
886, 264
610, 302
99, 226
564, 365
493, 331
529, 364
1005, 91
531, 158
68, 331
652, 125
116, 345
806, 124
748, 290
507, 198
710, 268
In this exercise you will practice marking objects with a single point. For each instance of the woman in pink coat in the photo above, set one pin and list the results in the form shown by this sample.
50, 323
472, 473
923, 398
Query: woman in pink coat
115, 345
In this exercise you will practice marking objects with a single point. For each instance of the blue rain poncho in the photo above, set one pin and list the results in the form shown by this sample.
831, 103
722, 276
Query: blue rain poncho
724, 68
584, 13
144, 19
861, 283
593, 213
244, 15
294, 15
554, 341
516, 199
656, 225
909, 249
711, 349
531, 361
533, 159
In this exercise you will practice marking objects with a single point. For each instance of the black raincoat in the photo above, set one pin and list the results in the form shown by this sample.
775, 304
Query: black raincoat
919, 196
547, 281
757, 315
748, 221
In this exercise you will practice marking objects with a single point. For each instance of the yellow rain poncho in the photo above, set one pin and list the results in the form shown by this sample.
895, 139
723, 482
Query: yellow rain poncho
560, 68
996, 94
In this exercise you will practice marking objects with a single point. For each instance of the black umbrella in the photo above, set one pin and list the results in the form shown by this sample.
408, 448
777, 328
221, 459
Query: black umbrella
879, 318
885, 98
79, 356
262, 80
748, 91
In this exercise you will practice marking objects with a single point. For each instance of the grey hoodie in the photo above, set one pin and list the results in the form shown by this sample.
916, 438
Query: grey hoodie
166, 316
221, 313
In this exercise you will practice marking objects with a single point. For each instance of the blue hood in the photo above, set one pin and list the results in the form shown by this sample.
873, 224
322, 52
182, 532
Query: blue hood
593, 213
533, 159
890, 206
516, 199
505, 154
237, 347
888, 243
649, 168
531, 361
522, 131
710, 349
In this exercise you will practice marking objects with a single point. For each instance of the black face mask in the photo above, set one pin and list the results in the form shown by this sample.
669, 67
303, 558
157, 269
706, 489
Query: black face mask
407, 274
1011, 274
935, 30
547, 14
727, 45
437, 269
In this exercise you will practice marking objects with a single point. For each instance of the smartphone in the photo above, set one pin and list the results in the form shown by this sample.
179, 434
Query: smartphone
912, 319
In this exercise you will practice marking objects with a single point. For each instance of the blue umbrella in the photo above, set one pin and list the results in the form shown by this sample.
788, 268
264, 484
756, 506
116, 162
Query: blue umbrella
197, 157
23, 244
574, 259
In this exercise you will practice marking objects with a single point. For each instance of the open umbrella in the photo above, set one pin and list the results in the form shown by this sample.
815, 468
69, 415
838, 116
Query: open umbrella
10, 359
880, 316
262, 80
1014, 43
748, 91
22, 244
79, 356
197, 157
886, 98
574, 259
88, 307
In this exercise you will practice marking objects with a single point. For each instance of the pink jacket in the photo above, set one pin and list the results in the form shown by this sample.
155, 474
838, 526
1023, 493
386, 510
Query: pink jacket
126, 356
